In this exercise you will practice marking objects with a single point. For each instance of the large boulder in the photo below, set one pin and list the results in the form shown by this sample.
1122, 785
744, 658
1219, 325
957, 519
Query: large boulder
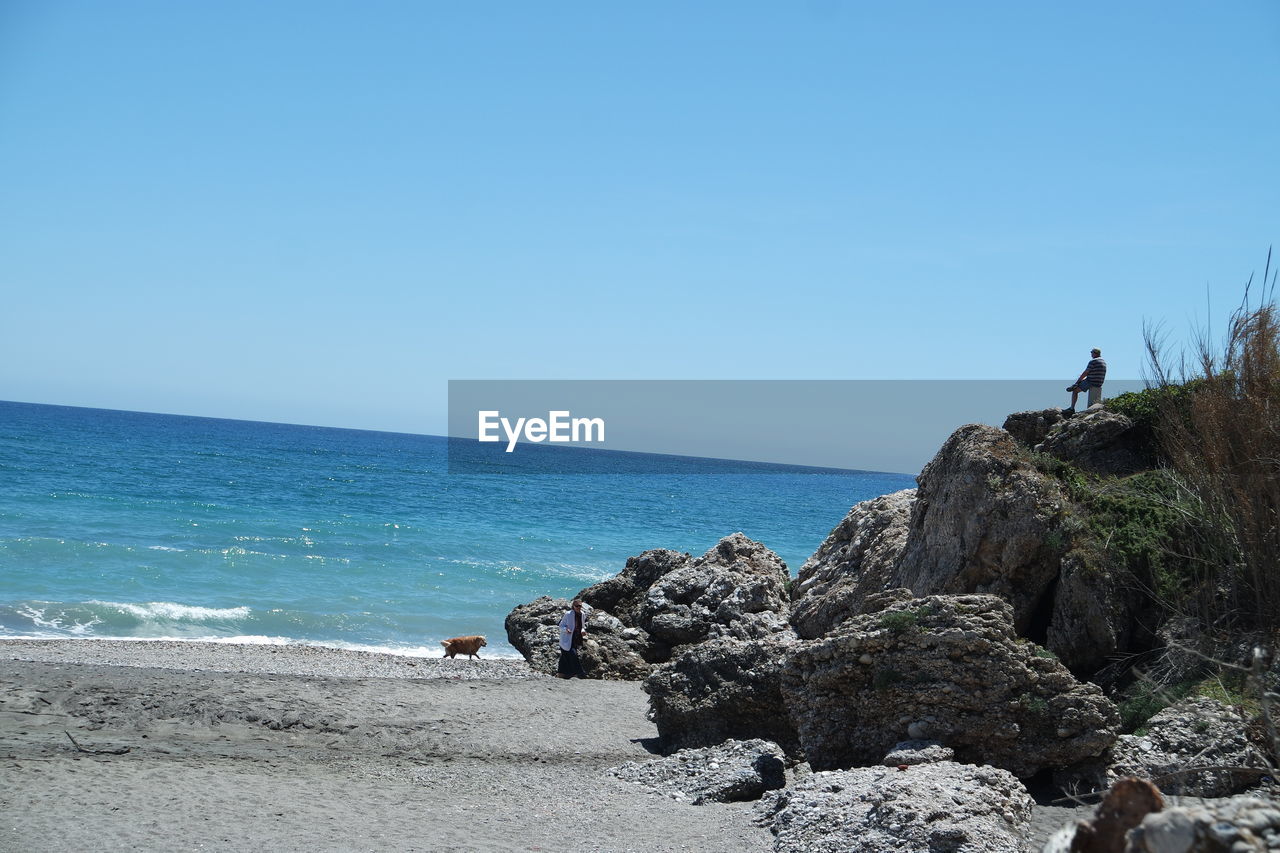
858, 558
720, 690
662, 599
986, 519
1100, 441
612, 649
981, 522
623, 595
735, 771
533, 630
941, 806
948, 668
738, 590
1031, 428
1195, 733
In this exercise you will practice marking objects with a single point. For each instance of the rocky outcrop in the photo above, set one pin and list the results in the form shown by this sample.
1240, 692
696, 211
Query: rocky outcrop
623, 595
1198, 747
983, 519
738, 590
1194, 733
942, 806
946, 668
986, 519
720, 690
858, 558
1092, 617
532, 630
1031, 428
1099, 441
734, 771
660, 600
981, 522
611, 650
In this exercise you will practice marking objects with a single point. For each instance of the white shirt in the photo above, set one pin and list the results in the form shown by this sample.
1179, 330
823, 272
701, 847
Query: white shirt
566, 629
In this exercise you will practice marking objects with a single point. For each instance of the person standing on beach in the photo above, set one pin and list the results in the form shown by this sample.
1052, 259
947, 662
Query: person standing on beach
573, 628
1090, 380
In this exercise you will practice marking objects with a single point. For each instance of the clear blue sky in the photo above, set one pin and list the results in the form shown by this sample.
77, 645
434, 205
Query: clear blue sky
319, 212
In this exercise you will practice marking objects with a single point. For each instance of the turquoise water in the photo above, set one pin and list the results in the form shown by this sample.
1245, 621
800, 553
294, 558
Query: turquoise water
122, 524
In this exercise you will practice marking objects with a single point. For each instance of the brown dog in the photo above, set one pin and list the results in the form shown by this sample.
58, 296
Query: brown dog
469, 646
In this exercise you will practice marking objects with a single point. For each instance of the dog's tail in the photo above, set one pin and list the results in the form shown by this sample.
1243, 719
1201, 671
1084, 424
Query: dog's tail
444, 643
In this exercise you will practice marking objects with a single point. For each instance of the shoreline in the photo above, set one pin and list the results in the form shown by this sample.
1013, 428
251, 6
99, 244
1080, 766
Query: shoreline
283, 659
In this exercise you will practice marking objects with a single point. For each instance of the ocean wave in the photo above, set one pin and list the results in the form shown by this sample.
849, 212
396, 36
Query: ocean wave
550, 570
59, 624
176, 612
167, 620
48, 619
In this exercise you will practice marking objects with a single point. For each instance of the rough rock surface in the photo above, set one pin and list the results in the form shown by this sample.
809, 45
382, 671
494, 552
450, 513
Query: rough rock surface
738, 589
532, 629
611, 649
1031, 428
929, 807
1197, 732
981, 523
985, 519
946, 668
859, 557
918, 752
722, 689
1092, 617
1236, 825
623, 595
1100, 441
662, 599
734, 771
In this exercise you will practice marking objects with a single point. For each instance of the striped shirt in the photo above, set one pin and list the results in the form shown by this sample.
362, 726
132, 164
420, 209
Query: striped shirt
1096, 372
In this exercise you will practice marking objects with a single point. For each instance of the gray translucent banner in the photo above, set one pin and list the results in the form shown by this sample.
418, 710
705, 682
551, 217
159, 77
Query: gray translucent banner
562, 426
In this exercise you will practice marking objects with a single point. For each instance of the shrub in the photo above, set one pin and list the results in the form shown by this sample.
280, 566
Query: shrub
1142, 700
1220, 432
899, 620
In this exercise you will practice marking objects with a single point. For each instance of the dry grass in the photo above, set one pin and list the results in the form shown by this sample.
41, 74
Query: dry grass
1222, 440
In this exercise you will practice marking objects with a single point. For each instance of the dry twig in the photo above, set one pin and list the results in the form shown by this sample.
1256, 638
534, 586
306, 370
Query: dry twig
118, 751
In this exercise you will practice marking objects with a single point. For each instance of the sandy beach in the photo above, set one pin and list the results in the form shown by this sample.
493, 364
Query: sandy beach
297, 748
200, 746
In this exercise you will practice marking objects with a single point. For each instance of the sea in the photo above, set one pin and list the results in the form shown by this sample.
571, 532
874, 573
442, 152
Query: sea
131, 525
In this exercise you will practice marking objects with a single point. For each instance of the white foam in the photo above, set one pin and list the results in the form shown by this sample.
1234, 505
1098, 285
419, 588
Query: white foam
174, 611
38, 618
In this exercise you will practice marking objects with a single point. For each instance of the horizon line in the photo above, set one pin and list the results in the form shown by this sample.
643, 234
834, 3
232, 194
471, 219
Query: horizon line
815, 468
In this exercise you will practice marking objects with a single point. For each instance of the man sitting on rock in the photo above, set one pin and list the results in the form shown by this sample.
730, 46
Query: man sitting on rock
1090, 380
